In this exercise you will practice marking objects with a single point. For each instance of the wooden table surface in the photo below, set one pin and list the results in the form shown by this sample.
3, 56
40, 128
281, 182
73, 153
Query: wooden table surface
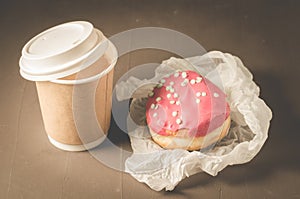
264, 34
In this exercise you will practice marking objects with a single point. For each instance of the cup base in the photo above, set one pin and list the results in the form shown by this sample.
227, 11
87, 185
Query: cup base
70, 147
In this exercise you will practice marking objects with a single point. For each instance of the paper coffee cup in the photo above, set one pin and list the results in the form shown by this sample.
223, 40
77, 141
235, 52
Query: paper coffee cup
72, 65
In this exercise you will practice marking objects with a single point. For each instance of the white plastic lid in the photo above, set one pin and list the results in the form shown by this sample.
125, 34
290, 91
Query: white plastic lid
61, 51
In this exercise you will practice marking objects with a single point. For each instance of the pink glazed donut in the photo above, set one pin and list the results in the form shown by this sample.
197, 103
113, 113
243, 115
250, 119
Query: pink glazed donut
187, 111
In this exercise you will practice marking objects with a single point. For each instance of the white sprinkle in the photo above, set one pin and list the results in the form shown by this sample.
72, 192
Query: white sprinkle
198, 79
216, 95
172, 83
158, 99
178, 121
177, 102
176, 74
156, 106
167, 75
175, 95
169, 95
159, 85
183, 74
184, 83
198, 94
151, 94
193, 81
203, 93
152, 106
174, 113
197, 101
162, 81
168, 88
154, 114
172, 102
172, 90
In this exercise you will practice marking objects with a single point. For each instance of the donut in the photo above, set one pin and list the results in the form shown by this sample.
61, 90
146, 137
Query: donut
187, 111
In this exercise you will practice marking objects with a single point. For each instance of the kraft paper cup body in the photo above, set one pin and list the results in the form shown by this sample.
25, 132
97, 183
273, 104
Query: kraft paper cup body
74, 88
76, 116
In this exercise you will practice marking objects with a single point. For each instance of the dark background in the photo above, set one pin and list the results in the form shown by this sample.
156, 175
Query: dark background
264, 34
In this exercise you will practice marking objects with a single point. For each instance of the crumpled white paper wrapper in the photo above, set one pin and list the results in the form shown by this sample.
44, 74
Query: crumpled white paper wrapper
164, 169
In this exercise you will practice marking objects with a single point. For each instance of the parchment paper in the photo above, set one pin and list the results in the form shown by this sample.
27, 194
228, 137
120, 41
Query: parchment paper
164, 169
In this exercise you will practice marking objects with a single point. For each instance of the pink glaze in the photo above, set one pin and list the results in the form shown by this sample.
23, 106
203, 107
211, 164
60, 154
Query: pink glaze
200, 114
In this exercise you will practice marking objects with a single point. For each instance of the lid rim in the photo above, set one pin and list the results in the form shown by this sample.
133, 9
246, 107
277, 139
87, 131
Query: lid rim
67, 68
68, 65
55, 79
